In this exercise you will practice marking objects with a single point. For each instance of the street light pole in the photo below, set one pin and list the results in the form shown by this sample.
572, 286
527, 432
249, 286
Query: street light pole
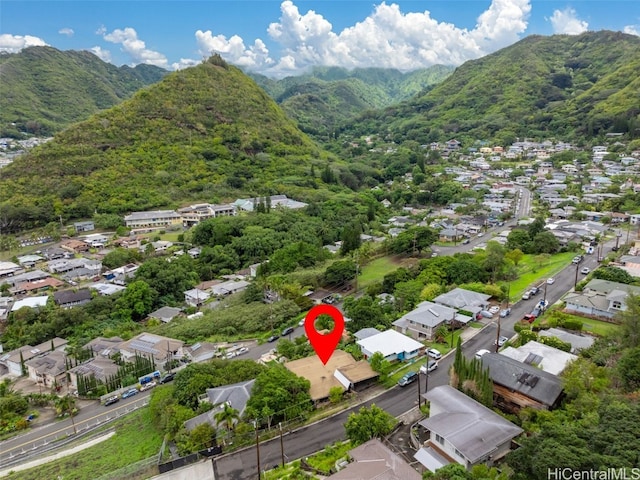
281, 444
255, 425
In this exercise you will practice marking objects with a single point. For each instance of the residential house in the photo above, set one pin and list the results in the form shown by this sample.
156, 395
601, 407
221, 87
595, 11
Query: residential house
104, 347
87, 226
160, 348
106, 289
165, 314
8, 269
544, 357
235, 395
375, 461
227, 288
196, 297
365, 332
450, 235
48, 369
71, 298
75, 246
391, 344
32, 276
96, 240
11, 362
577, 341
341, 371
29, 261
517, 385
423, 321
31, 302
201, 351
248, 204
120, 275
26, 288
466, 300
600, 298
194, 214
463, 431
100, 368
153, 219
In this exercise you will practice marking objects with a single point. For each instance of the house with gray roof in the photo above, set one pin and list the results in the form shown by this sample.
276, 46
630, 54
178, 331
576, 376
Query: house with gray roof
165, 314
577, 341
99, 368
422, 322
464, 431
71, 298
462, 299
236, 395
375, 461
545, 357
600, 298
48, 368
518, 385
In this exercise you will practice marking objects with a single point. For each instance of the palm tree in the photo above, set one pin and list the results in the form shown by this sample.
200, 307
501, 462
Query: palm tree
227, 416
67, 405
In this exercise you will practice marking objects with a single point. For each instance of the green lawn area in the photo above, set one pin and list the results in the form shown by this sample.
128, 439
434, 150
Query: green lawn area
532, 273
375, 270
136, 439
597, 327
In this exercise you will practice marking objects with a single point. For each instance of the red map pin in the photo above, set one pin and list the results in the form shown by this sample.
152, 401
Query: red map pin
324, 345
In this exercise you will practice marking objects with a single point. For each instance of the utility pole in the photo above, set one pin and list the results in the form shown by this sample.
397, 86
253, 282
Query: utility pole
418, 383
357, 268
498, 335
426, 380
281, 444
575, 283
544, 300
255, 425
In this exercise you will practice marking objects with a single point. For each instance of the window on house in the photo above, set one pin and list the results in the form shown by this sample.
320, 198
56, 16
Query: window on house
616, 305
439, 439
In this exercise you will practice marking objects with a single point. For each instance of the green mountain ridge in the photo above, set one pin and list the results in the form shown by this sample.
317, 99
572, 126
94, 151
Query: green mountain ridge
43, 90
328, 96
557, 86
201, 134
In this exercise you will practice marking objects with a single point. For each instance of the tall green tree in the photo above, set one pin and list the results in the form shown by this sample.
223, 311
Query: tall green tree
368, 423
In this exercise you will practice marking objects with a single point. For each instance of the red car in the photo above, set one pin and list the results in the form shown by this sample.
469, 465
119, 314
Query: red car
529, 318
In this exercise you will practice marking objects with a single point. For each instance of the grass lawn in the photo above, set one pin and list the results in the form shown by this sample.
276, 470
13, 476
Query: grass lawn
532, 273
597, 327
136, 439
326, 459
375, 270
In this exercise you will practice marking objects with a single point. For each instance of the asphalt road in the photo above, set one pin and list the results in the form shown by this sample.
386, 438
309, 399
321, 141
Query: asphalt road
38, 439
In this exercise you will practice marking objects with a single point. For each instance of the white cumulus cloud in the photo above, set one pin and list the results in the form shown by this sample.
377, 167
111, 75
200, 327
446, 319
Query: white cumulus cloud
135, 47
66, 31
14, 43
184, 63
101, 53
233, 49
632, 30
388, 37
567, 22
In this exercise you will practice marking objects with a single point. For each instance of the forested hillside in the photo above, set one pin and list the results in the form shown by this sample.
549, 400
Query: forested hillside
559, 86
43, 90
328, 96
206, 133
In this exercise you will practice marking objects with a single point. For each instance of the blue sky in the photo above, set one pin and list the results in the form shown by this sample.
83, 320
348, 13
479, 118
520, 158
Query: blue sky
281, 38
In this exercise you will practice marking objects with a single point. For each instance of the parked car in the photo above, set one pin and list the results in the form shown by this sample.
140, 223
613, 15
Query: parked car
167, 378
505, 313
543, 304
433, 353
526, 295
529, 318
481, 234
408, 378
148, 386
550, 281
272, 338
486, 314
494, 309
536, 312
501, 341
31, 417
481, 352
577, 259
429, 367
242, 350
534, 291
301, 322
112, 400
585, 271
287, 331
465, 241
130, 393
